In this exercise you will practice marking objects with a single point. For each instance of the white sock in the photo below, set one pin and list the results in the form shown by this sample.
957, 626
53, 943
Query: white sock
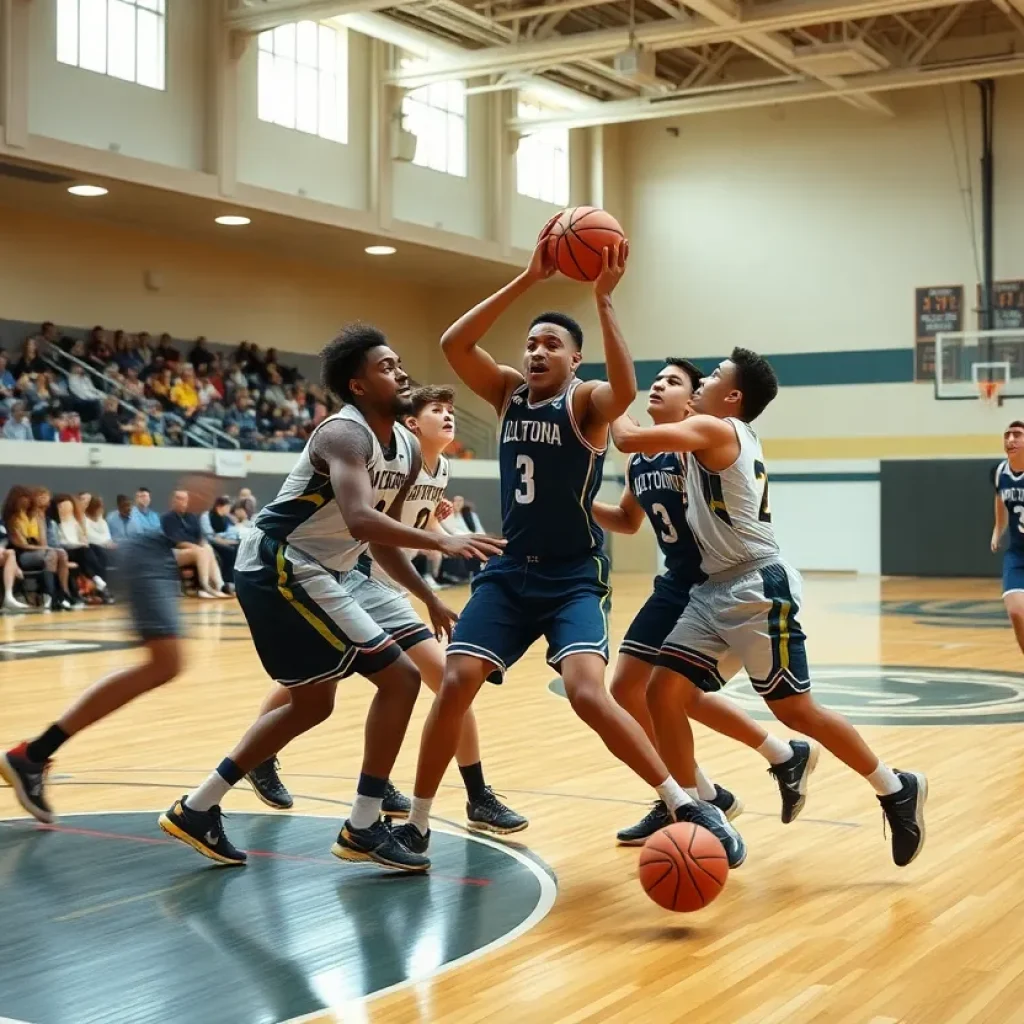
209, 794
774, 750
884, 781
673, 794
419, 815
365, 810
691, 792
101, 583
705, 787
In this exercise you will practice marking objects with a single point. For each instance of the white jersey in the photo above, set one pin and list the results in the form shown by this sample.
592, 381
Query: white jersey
305, 514
728, 511
420, 504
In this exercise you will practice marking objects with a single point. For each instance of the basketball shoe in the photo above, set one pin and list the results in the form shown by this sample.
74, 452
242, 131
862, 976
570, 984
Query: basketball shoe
203, 831
904, 811
267, 785
486, 813
378, 843
792, 776
658, 817
28, 780
697, 812
395, 804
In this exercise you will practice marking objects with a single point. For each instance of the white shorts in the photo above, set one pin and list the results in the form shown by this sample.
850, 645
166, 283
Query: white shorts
389, 607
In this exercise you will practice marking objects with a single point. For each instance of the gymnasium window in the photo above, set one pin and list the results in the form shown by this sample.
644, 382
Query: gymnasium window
436, 115
542, 161
124, 39
302, 79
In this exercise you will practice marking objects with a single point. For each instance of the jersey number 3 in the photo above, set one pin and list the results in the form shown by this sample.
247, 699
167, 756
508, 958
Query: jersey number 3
668, 534
760, 473
526, 491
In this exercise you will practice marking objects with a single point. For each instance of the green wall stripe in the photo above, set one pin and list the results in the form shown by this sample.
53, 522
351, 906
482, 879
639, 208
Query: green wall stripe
801, 369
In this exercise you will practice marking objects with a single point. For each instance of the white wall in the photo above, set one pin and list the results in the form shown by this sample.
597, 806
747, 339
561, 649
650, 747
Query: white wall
301, 164
94, 110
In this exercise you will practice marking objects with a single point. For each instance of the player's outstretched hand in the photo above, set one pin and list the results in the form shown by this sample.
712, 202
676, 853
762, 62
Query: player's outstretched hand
613, 266
472, 545
542, 263
444, 509
442, 618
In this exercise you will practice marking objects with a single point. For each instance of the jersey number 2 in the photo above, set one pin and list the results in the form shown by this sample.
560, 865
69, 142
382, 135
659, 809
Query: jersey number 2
525, 493
668, 534
760, 473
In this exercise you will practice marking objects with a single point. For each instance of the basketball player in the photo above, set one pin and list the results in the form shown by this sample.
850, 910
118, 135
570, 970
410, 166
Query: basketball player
150, 576
552, 580
432, 422
656, 488
345, 492
750, 601
1009, 509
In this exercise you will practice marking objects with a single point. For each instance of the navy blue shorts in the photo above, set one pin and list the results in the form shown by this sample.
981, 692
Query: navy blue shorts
657, 618
515, 603
1013, 572
148, 580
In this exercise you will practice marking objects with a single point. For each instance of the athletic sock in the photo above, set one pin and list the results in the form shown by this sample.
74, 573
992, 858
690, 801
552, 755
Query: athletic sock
369, 796
691, 792
473, 777
216, 787
884, 781
774, 750
419, 814
673, 794
705, 787
41, 749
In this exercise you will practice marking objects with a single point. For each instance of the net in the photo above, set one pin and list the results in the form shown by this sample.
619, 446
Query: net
991, 391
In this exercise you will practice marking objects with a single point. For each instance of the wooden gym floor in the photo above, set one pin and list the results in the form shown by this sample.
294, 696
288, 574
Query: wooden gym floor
817, 926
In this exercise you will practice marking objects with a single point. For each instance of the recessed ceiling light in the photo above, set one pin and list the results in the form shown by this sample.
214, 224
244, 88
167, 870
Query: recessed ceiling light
233, 221
87, 190
380, 250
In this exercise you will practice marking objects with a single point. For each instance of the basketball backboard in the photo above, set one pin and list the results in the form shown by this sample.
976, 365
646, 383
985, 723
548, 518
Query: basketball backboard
987, 365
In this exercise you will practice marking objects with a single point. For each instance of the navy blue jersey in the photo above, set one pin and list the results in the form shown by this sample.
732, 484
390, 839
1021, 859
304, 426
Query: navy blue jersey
1010, 487
549, 477
658, 482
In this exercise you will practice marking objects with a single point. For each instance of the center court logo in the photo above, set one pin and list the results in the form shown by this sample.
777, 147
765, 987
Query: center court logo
900, 694
18, 649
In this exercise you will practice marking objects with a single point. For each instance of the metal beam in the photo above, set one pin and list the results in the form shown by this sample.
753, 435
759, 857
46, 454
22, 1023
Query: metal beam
937, 33
252, 20
519, 13
622, 111
662, 34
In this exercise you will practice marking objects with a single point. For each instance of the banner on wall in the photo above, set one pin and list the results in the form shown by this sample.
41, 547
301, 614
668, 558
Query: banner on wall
230, 463
1007, 306
937, 309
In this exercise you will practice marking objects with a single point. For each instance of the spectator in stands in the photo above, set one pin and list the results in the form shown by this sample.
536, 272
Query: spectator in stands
26, 535
247, 501
111, 427
182, 529
160, 384
241, 516
69, 516
71, 428
207, 391
86, 397
241, 415
48, 333
97, 531
457, 570
146, 519
12, 576
158, 425
220, 531
144, 350
30, 364
140, 432
7, 385
183, 392
120, 523
200, 355
237, 380
48, 428
274, 392
165, 350
18, 427
98, 351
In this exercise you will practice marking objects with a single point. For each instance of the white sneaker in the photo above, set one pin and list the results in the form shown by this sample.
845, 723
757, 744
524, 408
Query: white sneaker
206, 596
12, 604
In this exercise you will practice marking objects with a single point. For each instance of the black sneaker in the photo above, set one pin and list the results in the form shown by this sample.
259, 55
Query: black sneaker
203, 831
412, 838
710, 817
905, 813
28, 780
267, 785
395, 804
378, 843
487, 813
653, 821
792, 776
728, 803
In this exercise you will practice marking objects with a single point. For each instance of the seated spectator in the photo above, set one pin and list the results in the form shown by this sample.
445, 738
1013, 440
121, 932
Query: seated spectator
182, 529
246, 500
274, 392
26, 536
160, 384
157, 423
69, 518
240, 514
86, 398
133, 386
165, 350
144, 349
97, 531
139, 432
120, 524
219, 529
458, 570
183, 393
206, 390
97, 350
200, 355
146, 518
30, 364
242, 416
18, 427
12, 577
216, 375
236, 379
49, 428
111, 427
7, 385
48, 333
71, 428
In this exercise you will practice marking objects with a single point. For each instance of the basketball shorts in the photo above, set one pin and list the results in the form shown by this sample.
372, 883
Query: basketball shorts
1013, 572
147, 580
389, 607
515, 603
657, 618
753, 615
305, 624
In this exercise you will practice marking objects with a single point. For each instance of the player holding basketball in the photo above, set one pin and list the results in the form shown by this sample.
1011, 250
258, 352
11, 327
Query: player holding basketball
656, 489
1009, 511
432, 421
149, 573
345, 493
552, 579
750, 601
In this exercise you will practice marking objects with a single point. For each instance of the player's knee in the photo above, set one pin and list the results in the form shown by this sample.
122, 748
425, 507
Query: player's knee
313, 704
588, 699
668, 690
798, 713
165, 661
626, 690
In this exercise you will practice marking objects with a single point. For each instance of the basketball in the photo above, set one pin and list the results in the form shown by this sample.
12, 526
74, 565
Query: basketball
581, 233
683, 867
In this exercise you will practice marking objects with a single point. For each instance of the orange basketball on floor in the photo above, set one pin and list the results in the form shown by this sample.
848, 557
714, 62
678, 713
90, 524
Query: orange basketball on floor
683, 867
581, 234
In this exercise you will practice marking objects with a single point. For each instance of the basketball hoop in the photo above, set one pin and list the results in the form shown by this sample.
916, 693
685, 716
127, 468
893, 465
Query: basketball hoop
991, 391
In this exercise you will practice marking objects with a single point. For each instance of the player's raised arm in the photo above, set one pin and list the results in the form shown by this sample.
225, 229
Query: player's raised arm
475, 367
626, 517
611, 398
695, 434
